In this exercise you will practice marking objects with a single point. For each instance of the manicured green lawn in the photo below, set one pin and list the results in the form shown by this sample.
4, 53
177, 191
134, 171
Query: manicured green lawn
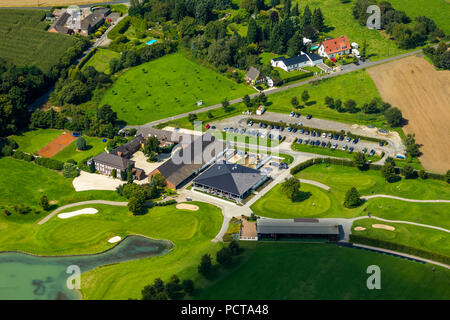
437, 10
320, 271
315, 202
408, 235
168, 86
190, 231
342, 178
34, 140
94, 147
356, 85
24, 182
100, 60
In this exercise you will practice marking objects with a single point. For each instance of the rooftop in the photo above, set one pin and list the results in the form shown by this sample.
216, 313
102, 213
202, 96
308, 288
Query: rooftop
336, 45
291, 226
113, 160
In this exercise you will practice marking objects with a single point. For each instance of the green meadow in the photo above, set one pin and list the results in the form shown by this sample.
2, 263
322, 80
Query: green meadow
101, 59
166, 87
292, 271
94, 146
34, 140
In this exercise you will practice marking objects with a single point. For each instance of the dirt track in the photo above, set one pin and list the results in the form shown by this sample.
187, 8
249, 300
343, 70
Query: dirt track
56, 145
423, 95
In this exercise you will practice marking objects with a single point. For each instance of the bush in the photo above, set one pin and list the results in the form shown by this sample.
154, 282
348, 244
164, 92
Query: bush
70, 170
224, 256
23, 156
81, 144
50, 163
352, 198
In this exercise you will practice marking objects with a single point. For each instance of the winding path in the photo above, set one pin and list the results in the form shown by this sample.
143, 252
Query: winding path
402, 222
402, 199
76, 204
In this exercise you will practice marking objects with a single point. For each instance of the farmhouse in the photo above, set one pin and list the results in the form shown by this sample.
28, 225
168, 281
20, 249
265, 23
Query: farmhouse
93, 21
254, 76
229, 180
59, 26
296, 62
190, 160
296, 229
333, 47
126, 150
165, 137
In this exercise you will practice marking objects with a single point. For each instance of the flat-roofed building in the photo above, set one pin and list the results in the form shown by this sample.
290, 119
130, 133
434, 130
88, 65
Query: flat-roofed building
296, 228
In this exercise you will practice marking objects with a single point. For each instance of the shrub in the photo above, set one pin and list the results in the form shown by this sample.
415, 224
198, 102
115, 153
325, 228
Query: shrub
205, 265
352, 198
70, 170
188, 286
81, 144
23, 156
224, 256
43, 202
50, 163
422, 174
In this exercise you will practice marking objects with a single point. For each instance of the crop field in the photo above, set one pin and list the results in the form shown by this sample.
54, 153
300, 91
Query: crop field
24, 40
166, 87
423, 95
321, 271
100, 60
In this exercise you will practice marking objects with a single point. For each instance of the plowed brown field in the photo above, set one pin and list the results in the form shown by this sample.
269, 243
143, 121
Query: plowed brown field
423, 95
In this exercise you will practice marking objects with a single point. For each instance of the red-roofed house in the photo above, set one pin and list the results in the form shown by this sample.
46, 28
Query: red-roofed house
333, 47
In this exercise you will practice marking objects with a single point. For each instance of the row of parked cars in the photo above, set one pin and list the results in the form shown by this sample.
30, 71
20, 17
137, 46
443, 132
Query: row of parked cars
328, 144
296, 114
253, 132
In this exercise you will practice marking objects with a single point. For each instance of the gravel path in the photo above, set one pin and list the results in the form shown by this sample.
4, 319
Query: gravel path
402, 199
111, 203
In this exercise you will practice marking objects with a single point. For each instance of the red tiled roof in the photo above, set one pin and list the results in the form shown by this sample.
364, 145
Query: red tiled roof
336, 45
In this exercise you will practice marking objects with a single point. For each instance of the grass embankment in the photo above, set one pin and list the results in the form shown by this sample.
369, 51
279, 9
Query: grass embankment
166, 87
24, 182
101, 59
283, 271
94, 147
25, 41
408, 235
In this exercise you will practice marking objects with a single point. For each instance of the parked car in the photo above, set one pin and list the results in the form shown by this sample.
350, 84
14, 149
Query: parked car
297, 115
291, 114
323, 144
317, 142
242, 131
236, 130
289, 129
364, 150
350, 149
213, 127
334, 146
324, 135
271, 126
299, 140
306, 141
312, 142
279, 137
355, 140
188, 199
344, 147
225, 129
309, 116
341, 138
336, 136
307, 132
283, 165
348, 139
300, 124
372, 152
381, 143
313, 133
259, 125
265, 125
277, 127
270, 136
207, 126
250, 123
294, 130
319, 133
302, 130
281, 128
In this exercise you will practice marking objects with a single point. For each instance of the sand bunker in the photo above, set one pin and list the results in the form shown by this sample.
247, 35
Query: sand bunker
187, 206
383, 226
66, 215
359, 229
114, 239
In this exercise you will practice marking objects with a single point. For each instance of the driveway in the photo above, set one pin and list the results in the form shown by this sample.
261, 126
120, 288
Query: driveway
93, 181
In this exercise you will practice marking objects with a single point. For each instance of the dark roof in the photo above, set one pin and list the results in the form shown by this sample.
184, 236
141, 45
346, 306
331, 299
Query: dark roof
230, 177
94, 18
295, 60
253, 73
131, 146
59, 24
313, 56
186, 161
113, 160
163, 135
290, 226
278, 59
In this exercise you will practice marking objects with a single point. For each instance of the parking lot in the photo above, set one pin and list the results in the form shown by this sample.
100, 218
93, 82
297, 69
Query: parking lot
320, 137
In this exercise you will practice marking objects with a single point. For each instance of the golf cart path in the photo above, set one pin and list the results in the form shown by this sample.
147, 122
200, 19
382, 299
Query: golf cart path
76, 204
402, 199
402, 222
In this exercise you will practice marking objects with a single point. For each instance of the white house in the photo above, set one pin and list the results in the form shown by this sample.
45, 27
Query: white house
296, 62
333, 47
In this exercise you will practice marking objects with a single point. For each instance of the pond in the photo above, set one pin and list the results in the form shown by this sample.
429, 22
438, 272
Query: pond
28, 277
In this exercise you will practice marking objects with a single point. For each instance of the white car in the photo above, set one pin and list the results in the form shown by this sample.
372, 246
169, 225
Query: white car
344, 147
324, 135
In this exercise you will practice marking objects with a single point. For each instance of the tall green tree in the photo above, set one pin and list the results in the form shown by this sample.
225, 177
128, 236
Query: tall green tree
352, 198
291, 187
317, 20
252, 31
307, 17
205, 265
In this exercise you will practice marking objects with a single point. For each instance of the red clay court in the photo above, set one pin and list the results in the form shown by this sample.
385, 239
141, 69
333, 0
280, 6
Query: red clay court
56, 145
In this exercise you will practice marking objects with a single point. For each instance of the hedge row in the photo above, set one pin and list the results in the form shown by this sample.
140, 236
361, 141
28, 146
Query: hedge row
120, 28
348, 133
86, 58
400, 247
298, 77
165, 203
349, 163
50, 163
23, 156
